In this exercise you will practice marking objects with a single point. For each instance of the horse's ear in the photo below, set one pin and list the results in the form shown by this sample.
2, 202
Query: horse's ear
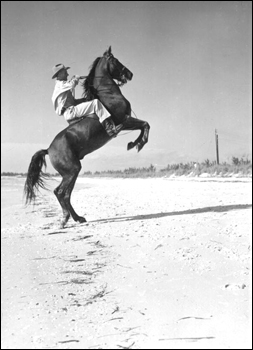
108, 52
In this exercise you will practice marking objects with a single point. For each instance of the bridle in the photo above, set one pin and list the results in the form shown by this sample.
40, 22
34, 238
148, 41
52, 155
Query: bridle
121, 82
121, 73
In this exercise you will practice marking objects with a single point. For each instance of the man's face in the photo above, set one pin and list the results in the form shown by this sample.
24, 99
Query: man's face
63, 74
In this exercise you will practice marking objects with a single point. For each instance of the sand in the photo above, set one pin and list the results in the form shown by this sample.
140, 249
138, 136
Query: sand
160, 264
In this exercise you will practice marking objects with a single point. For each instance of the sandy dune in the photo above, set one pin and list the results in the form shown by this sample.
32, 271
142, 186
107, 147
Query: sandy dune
161, 263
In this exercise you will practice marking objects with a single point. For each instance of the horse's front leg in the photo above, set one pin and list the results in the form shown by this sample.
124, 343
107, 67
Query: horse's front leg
137, 124
144, 137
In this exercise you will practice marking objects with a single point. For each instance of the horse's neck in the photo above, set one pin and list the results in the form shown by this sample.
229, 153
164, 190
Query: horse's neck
108, 92
106, 84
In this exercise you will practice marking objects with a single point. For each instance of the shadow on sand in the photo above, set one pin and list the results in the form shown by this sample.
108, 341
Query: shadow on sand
216, 209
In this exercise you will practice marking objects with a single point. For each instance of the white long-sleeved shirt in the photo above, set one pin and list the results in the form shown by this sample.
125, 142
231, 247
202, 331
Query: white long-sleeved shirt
64, 92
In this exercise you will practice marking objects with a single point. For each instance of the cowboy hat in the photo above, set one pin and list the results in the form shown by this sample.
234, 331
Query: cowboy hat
57, 68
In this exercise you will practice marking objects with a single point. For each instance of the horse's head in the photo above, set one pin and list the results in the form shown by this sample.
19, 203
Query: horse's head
99, 69
116, 69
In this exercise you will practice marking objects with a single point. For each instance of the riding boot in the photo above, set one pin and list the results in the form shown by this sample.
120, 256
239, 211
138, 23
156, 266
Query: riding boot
109, 127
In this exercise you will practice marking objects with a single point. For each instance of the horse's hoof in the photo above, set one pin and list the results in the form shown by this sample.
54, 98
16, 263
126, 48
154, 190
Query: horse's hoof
130, 146
139, 147
62, 225
81, 220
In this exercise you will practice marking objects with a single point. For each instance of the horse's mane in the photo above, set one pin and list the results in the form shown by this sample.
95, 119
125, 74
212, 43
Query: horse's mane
89, 92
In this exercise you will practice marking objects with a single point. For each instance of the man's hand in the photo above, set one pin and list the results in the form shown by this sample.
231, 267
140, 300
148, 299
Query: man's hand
79, 77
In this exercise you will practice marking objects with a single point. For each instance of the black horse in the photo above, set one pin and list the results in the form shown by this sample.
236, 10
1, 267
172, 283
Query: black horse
85, 136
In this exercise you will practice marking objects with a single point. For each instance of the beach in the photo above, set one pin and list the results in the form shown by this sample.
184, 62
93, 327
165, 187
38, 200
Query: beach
161, 263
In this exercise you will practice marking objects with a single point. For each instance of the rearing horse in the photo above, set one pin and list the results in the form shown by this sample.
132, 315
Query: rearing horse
87, 135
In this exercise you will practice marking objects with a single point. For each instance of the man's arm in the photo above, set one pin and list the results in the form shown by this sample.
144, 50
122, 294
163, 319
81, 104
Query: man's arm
79, 100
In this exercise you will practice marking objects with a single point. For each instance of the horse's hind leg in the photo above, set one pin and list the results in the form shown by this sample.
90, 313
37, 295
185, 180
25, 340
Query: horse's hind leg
65, 212
63, 193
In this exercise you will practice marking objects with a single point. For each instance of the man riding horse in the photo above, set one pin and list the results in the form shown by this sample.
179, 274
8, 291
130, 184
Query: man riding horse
76, 141
73, 109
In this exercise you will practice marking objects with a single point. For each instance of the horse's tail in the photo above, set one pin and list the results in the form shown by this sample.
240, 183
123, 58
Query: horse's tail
35, 176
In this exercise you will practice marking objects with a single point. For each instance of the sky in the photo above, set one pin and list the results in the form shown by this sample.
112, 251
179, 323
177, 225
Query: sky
191, 64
